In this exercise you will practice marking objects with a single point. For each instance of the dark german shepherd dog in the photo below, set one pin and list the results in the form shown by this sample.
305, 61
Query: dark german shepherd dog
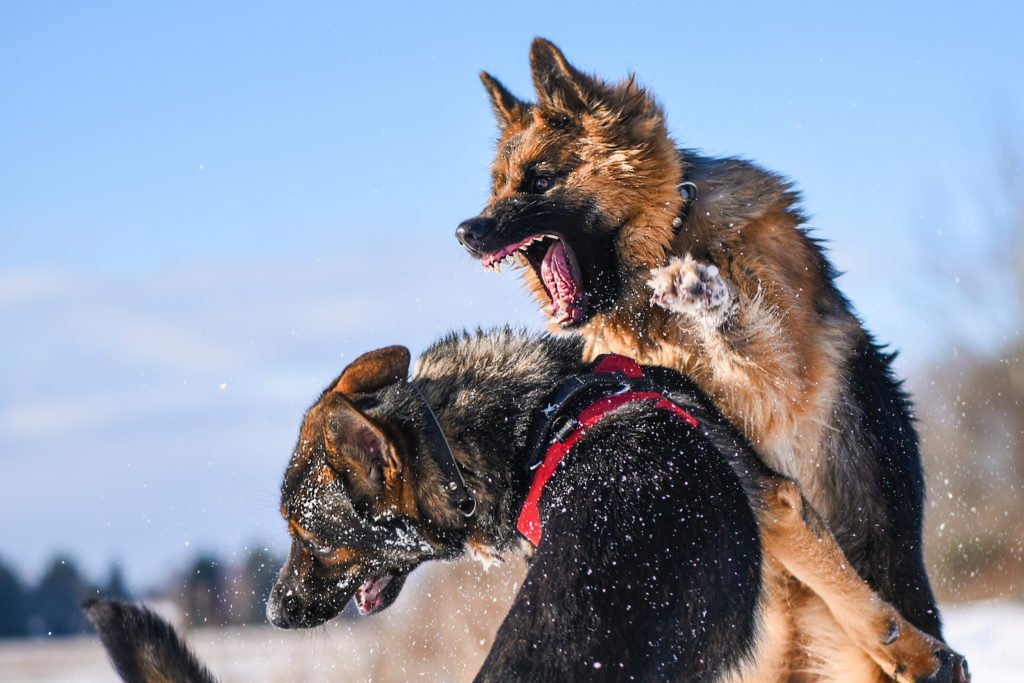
649, 567
650, 561
703, 265
650, 564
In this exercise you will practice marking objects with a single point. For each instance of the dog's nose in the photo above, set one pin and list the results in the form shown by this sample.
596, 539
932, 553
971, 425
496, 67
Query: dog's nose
277, 616
281, 610
474, 232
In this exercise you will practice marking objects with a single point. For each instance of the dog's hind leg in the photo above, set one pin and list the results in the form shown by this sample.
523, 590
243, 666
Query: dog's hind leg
797, 537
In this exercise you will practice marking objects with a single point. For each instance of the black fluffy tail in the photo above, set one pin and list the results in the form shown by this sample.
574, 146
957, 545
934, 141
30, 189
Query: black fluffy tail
143, 647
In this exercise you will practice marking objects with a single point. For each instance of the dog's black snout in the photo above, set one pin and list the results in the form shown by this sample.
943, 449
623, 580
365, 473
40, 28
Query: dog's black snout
474, 232
282, 609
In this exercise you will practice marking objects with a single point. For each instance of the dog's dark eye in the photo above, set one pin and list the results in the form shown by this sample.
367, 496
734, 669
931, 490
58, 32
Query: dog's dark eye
320, 550
541, 184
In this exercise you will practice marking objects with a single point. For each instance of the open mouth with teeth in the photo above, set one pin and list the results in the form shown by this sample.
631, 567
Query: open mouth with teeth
556, 266
373, 595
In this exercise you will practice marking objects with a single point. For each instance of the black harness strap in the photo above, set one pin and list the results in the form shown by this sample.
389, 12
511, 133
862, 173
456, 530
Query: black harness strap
577, 406
558, 418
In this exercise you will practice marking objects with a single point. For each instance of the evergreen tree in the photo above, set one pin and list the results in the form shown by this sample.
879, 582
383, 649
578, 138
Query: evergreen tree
13, 604
56, 600
116, 587
203, 593
261, 569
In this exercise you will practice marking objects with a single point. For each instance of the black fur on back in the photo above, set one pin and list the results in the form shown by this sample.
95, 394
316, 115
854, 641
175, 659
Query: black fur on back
887, 489
649, 566
143, 647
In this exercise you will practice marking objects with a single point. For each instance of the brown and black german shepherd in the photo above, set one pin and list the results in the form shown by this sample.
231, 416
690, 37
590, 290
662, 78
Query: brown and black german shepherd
650, 563
703, 265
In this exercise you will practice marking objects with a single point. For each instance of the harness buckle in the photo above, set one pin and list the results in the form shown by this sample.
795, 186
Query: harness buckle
562, 427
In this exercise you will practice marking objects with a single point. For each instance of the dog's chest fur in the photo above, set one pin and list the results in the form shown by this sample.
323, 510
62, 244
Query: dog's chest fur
786, 416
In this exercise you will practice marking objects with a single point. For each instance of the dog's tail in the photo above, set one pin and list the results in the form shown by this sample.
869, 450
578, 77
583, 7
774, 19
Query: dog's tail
143, 647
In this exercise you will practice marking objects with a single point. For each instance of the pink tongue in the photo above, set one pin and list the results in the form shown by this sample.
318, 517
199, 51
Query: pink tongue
556, 273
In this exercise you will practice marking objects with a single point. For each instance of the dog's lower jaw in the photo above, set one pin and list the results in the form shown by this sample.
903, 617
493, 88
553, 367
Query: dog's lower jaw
369, 597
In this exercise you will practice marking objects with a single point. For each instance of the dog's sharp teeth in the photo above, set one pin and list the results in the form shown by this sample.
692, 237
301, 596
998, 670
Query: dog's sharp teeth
560, 312
529, 243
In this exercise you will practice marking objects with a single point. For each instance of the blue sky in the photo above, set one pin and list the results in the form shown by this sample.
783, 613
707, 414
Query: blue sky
206, 210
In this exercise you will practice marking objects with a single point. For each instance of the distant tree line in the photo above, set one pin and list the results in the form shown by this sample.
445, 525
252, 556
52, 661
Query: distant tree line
51, 607
971, 403
210, 592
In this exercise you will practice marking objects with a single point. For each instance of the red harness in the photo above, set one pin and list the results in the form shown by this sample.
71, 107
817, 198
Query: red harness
529, 518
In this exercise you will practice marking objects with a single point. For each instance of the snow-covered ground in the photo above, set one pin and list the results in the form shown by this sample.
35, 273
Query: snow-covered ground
991, 636
430, 645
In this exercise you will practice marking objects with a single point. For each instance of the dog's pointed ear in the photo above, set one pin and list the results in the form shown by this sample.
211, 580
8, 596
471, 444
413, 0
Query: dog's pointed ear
507, 107
355, 445
359, 449
374, 370
561, 88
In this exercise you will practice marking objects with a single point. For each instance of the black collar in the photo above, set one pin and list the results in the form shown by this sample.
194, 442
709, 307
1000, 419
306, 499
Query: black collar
688, 189
455, 486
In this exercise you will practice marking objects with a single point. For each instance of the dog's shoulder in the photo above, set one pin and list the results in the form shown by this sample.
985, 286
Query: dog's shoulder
732, 191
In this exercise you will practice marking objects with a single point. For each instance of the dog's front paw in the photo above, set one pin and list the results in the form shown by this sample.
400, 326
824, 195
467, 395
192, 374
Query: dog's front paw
952, 669
691, 288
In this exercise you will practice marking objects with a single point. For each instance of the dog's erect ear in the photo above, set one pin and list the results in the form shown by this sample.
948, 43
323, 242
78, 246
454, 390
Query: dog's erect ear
561, 88
358, 448
507, 107
355, 445
374, 370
